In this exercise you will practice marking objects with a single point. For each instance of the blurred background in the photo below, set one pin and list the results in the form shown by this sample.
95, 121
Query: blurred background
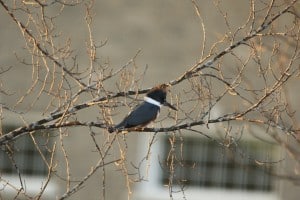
168, 37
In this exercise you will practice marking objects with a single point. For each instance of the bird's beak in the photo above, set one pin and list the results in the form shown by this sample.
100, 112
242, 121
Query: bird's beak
169, 105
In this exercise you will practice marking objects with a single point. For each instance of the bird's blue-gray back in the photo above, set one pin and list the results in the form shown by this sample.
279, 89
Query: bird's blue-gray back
142, 115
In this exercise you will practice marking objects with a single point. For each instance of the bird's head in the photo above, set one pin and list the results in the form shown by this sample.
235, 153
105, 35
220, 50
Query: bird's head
159, 93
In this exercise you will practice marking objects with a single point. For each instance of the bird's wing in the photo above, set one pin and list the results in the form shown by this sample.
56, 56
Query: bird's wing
140, 116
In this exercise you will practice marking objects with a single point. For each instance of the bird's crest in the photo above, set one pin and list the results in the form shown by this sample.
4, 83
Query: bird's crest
163, 87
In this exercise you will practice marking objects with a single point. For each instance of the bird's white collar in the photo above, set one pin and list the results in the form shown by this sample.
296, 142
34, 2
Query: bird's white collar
152, 101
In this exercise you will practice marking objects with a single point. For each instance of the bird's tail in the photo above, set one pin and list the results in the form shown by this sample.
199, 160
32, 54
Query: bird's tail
111, 129
116, 128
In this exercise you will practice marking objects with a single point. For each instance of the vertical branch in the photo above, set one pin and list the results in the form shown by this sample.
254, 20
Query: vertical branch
203, 30
66, 159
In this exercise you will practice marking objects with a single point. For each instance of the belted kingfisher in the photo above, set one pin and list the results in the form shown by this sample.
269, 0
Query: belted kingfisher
146, 112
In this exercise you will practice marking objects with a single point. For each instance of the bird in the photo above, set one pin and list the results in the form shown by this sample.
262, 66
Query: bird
147, 111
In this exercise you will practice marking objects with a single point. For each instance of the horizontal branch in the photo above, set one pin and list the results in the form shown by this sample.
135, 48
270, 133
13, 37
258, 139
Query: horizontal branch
38, 125
186, 126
